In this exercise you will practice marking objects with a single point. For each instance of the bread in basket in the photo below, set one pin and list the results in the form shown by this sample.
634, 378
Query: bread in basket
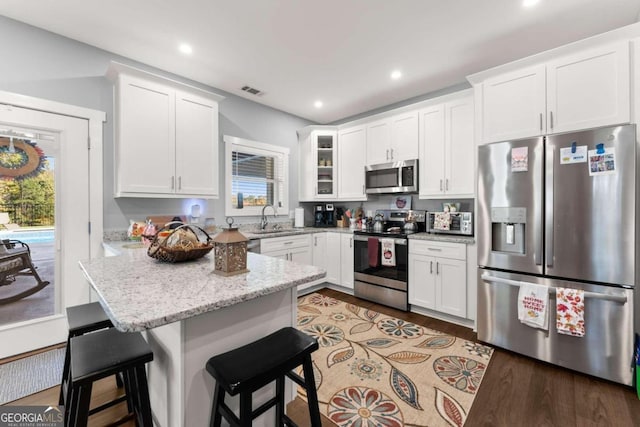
183, 243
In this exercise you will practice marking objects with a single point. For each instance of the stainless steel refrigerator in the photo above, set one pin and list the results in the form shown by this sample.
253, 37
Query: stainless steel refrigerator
560, 211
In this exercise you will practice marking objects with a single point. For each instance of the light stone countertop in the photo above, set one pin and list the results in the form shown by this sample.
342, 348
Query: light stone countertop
295, 231
139, 292
467, 240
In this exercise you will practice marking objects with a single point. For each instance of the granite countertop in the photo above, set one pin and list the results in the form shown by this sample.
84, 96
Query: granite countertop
467, 240
139, 292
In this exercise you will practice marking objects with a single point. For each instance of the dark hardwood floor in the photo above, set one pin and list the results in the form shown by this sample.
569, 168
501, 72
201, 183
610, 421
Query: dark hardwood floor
516, 390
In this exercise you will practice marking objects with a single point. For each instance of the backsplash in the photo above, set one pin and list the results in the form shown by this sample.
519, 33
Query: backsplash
384, 201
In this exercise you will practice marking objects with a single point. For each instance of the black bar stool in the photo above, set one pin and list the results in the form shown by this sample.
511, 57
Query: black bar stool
100, 354
82, 319
251, 367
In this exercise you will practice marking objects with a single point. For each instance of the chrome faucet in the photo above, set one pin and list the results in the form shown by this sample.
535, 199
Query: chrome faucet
263, 221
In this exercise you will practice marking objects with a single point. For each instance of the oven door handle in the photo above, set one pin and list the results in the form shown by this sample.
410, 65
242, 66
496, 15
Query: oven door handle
360, 238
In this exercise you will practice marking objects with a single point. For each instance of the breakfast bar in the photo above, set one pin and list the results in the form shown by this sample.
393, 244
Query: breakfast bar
189, 314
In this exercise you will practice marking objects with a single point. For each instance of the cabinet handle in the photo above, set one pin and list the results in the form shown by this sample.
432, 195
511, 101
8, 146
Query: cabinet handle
315, 241
351, 242
434, 249
430, 267
446, 184
440, 185
288, 243
437, 268
363, 189
541, 122
179, 183
387, 154
173, 182
551, 119
392, 154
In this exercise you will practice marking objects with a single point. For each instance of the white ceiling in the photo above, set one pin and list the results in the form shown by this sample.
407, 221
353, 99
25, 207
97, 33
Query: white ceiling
339, 51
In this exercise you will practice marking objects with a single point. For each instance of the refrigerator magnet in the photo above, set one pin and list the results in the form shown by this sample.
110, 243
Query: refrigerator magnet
602, 162
570, 155
520, 159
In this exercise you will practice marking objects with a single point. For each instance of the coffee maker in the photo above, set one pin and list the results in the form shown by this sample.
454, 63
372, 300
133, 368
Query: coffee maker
324, 215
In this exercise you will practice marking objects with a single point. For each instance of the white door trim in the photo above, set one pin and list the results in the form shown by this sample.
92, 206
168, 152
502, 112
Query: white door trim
96, 119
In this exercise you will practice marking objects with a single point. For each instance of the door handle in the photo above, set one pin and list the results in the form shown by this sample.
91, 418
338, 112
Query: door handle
540, 122
549, 207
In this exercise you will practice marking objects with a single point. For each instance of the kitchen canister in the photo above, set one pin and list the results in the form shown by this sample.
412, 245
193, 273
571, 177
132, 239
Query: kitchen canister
299, 218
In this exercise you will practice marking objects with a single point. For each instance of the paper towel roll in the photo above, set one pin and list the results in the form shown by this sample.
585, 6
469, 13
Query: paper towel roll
299, 218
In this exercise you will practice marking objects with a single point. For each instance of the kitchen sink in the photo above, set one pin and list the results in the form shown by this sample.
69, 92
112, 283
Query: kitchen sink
272, 231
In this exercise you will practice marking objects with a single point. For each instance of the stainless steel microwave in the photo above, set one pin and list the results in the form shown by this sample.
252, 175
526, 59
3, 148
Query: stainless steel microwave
396, 177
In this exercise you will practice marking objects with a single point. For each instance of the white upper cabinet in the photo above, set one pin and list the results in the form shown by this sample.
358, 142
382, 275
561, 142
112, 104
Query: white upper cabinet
404, 136
513, 105
351, 161
589, 90
447, 149
378, 142
317, 166
166, 137
393, 139
580, 91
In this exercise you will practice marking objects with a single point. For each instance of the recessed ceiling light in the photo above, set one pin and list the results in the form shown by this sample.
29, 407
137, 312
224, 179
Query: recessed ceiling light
395, 75
529, 3
318, 104
186, 49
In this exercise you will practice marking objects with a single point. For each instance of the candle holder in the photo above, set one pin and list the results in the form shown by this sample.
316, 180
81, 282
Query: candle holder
230, 248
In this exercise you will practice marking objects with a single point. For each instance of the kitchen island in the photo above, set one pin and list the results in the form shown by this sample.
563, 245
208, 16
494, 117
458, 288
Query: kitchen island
189, 314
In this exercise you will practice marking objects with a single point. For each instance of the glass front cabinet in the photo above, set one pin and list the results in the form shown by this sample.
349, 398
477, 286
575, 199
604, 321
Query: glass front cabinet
318, 164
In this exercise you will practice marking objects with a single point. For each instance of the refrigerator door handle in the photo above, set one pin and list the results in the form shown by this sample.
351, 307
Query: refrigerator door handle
587, 294
549, 208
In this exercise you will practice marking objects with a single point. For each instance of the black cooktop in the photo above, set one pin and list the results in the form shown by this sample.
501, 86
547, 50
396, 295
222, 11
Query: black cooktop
393, 234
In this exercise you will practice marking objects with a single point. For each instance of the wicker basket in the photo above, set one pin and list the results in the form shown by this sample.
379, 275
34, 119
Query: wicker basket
184, 243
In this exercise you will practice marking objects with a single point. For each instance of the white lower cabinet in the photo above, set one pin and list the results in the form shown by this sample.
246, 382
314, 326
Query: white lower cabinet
438, 276
346, 257
333, 258
290, 248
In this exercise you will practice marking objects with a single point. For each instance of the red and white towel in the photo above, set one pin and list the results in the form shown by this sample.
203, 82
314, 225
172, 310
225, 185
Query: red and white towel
533, 300
442, 221
570, 312
388, 249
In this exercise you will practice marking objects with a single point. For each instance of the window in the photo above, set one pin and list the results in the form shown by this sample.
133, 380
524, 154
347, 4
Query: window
256, 175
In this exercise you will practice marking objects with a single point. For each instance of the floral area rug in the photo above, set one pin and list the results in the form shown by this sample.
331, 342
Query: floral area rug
376, 370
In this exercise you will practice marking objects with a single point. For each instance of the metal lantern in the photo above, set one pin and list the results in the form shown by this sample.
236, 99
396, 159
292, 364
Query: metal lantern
230, 248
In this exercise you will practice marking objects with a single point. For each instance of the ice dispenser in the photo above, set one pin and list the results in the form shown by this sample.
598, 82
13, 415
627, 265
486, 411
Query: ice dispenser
508, 230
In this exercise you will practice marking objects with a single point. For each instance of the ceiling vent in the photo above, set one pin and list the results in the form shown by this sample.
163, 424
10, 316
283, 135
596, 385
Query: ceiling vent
252, 91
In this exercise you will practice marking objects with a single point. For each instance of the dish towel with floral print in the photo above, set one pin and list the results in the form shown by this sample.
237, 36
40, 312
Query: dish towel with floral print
533, 300
388, 255
570, 312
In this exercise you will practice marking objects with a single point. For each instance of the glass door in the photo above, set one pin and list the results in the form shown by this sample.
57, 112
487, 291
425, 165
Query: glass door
325, 164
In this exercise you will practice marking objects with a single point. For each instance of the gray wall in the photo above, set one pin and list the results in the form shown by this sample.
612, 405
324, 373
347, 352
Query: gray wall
44, 65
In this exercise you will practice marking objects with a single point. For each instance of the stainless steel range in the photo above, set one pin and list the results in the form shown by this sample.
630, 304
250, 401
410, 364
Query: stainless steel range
381, 258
